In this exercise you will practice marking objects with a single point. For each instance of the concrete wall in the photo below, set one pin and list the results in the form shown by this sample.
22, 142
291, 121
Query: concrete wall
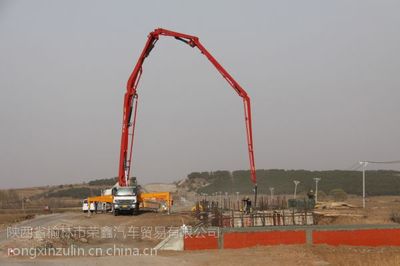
356, 235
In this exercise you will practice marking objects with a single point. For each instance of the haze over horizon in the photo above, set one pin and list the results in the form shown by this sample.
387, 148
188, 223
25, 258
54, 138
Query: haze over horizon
322, 76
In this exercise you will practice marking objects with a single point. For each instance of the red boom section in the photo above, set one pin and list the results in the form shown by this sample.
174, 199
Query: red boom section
131, 97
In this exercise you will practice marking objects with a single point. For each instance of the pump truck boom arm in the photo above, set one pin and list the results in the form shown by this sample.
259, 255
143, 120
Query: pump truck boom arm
131, 97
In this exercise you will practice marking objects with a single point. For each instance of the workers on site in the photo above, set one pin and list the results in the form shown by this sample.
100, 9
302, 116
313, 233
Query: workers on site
247, 205
311, 195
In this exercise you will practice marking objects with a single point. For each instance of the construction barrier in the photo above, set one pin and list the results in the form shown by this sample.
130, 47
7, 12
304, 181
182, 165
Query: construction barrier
251, 239
200, 242
354, 235
367, 237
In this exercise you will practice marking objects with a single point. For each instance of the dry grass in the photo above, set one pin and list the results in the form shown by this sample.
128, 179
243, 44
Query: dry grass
10, 218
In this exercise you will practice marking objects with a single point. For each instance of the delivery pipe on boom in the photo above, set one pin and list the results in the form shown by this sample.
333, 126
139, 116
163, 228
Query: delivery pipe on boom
131, 101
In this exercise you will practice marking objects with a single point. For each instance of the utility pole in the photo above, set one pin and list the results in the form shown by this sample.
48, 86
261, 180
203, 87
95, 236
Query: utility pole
255, 195
364, 165
237, 199
295, 188
316, 179
271, 189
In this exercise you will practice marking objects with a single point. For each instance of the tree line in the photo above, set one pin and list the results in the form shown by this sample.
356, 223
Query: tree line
378, 182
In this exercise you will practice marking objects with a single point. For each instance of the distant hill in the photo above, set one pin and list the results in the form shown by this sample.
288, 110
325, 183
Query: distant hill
77, 192
379, 182
103, 182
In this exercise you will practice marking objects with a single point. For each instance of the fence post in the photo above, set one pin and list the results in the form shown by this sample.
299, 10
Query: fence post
294, 222
263, 219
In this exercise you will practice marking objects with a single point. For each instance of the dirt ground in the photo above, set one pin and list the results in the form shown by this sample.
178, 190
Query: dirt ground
274, 255
294, 255
7, 219
378, 211
141, 231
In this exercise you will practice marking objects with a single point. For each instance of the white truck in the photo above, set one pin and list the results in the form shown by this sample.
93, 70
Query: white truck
125, 199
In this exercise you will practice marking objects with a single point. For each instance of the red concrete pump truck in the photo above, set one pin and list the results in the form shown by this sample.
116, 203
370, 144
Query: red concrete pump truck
131, 104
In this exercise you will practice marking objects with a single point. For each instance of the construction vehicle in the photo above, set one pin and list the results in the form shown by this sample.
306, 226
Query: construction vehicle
125, 200
129, 121
129, 200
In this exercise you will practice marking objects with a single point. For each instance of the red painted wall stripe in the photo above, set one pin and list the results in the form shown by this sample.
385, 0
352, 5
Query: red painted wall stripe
367, 237
250, 239
199, 242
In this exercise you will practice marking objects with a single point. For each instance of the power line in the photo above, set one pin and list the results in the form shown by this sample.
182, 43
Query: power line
358, 165
364, 164
354, 167
384, 162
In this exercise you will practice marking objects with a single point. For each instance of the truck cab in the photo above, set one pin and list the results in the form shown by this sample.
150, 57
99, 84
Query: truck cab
125, 200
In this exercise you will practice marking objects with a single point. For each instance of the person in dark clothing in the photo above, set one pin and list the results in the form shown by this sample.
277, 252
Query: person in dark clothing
247, 205
311, 195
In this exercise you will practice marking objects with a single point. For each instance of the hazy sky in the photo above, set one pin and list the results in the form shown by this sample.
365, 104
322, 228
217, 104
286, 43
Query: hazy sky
323, 77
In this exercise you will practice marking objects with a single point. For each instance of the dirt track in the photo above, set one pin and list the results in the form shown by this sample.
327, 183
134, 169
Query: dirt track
42, 220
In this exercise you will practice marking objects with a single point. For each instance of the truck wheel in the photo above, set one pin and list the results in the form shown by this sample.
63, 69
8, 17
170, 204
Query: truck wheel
115, 212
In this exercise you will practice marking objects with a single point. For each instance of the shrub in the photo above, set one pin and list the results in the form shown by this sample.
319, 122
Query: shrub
395, 217
322, 195
338, 194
